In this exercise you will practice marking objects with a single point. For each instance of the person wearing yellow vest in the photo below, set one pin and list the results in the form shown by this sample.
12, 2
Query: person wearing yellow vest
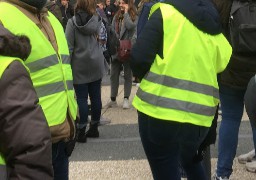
50, 70
25, 139
178, 55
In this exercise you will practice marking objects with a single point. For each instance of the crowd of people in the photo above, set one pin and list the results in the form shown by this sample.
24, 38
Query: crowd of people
55, 53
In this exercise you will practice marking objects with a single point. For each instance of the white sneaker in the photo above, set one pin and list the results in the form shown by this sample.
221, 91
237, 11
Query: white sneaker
111, 104
244, 158
215, 177
104, 121
126, 104
251, 166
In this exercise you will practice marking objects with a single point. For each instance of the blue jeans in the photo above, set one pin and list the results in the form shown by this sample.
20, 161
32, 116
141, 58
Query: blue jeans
168, 144
232, 105
59, 161
92, 89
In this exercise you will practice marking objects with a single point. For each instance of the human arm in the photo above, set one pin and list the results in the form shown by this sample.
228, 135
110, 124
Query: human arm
223, 53
128, 22
148, 44
25, 140
70, 36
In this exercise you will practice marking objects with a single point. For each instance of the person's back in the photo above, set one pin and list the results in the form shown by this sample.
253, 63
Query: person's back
179, 53
50, 72
87, 65
24, 133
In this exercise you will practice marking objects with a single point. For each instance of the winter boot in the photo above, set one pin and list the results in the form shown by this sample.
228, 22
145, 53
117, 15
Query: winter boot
93, 131
81, 136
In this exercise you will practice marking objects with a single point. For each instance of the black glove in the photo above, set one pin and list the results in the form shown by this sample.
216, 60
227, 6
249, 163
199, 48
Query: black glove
70, 146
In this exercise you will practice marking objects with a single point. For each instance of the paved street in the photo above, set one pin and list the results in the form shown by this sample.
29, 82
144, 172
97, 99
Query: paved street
118, 153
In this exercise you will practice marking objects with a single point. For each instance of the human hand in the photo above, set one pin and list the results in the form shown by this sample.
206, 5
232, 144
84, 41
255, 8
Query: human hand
126, 7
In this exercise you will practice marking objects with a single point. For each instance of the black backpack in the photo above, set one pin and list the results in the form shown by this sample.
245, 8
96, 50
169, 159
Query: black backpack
112, 40
242, 26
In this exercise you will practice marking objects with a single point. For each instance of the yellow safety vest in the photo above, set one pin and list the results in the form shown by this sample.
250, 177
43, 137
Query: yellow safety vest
4, 63
183, 86
50, 71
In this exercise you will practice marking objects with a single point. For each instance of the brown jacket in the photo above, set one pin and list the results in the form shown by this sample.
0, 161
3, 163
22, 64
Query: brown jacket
65, 130
25, 140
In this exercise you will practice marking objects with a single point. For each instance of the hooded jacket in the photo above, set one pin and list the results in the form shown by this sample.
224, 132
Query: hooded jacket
199, 12
87, 60
25, 139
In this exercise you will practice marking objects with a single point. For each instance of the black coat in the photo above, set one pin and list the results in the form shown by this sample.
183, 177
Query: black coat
241, 67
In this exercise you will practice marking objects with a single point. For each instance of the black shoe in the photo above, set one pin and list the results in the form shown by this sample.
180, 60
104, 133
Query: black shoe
93, 131
81, 136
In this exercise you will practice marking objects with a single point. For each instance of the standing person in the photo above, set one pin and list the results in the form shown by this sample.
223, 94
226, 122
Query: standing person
50, 71
233, 84
87, 62
67, 11
111, 9
177, 56
25, 139
125, 22
54, 8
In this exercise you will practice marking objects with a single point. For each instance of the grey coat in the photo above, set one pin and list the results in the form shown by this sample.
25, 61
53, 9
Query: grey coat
87, 60
128, 29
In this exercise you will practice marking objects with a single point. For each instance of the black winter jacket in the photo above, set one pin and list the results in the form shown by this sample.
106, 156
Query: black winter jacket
241, 67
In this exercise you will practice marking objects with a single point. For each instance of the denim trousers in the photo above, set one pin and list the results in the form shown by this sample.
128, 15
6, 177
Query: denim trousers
232, 105
93, 89
168, 144
60, 161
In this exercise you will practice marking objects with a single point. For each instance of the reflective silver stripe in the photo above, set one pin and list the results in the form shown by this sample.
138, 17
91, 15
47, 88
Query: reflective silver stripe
3, 172
183, 84
175, 104
65, 59
53, 88
43, 63
47, 62
70, 85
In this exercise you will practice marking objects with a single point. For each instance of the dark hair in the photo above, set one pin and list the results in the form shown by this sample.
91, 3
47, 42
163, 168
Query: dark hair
88, 6
131, 11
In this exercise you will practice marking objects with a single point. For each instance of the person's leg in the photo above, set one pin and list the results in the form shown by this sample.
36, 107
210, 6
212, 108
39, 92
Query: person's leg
127, 80
232, 104
82, 101
114, 78
96, 105
159, 142
191, 136
60, 161
95, 98
250, 105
